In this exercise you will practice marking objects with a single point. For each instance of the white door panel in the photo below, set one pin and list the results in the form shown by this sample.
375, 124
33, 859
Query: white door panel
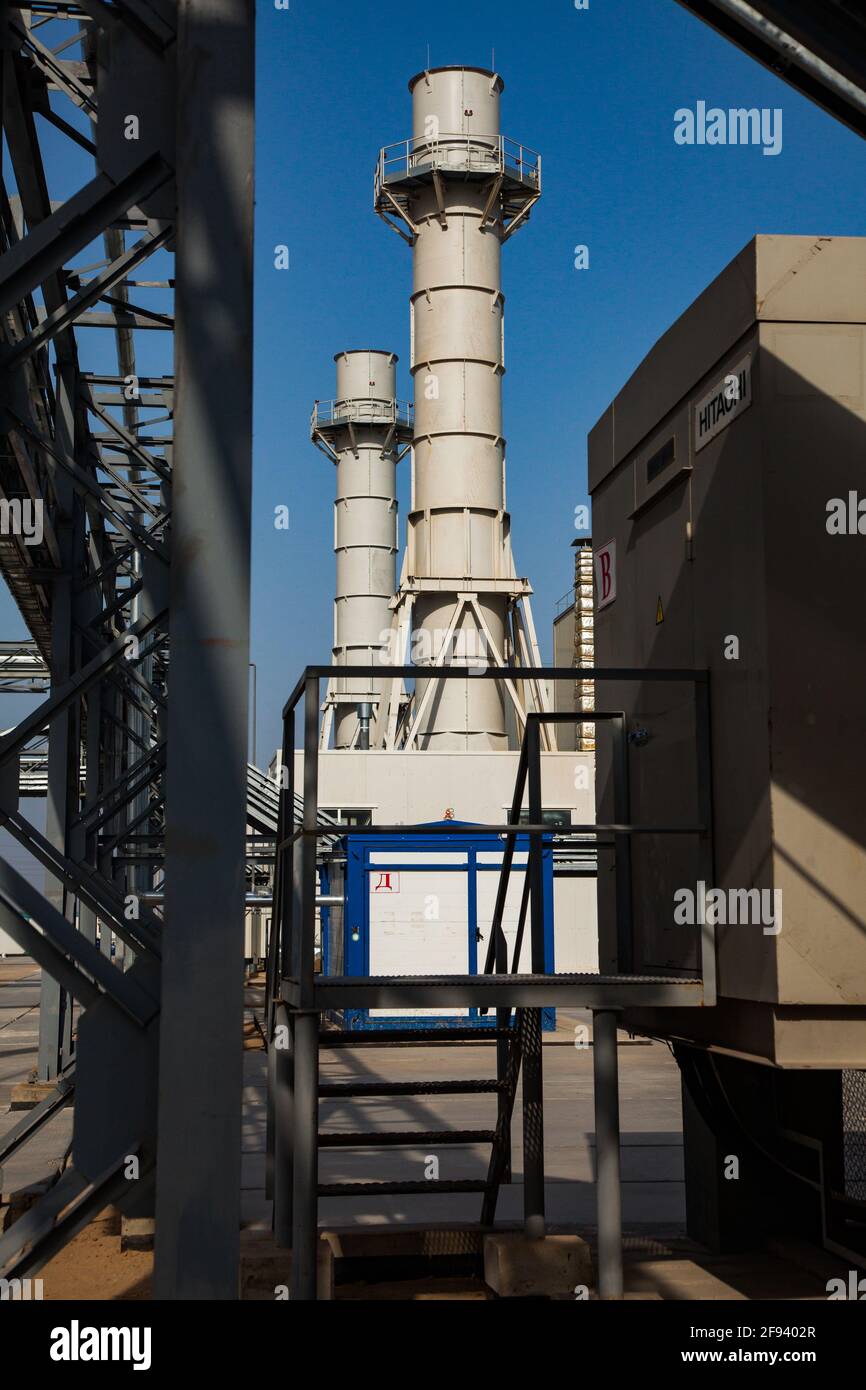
419, 928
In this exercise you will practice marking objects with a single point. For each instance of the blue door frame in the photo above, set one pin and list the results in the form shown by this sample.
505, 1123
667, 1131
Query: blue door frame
356, 916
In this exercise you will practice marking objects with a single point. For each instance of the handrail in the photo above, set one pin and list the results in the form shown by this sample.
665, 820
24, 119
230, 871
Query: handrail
620, 829
484, 153
360, 410
651, 675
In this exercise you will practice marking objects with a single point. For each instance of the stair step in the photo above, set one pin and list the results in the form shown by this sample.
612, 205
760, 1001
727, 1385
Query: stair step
422, 1138
408, 1088
398, 1189
432, 1036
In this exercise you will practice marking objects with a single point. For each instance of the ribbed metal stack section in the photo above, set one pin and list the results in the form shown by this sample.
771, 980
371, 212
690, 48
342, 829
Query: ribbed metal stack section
457, 185
362, 430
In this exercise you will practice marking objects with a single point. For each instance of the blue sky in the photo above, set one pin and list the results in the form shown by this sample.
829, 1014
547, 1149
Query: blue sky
595, 92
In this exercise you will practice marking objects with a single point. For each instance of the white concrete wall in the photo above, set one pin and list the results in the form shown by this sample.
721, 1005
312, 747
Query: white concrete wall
412, 788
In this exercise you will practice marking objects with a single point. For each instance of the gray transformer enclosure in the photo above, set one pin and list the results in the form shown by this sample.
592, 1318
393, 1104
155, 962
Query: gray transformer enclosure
728, 471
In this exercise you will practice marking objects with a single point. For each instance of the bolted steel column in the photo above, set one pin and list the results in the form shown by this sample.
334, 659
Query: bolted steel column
608, 1185
200, 1064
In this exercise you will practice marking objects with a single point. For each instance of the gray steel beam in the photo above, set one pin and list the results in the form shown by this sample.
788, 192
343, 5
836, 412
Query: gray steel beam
73, 226
55, 1010
200, 1073
65, 316
82, 880
26, 911
493, 991
608, 1185
86, 484
77, 685
816, 46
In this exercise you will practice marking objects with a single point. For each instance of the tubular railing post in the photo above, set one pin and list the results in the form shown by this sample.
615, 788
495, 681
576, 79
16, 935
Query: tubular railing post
503, 1019
622, 849
497, 948
278, 952
288, 928
607, 1156
507, 861
285, 818
533, 1084
306, 1027
706, 851
281, 1053
533, 1126
306, 927
536, 846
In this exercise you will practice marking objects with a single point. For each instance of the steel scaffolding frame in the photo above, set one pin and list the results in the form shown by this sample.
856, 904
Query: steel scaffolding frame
136, 596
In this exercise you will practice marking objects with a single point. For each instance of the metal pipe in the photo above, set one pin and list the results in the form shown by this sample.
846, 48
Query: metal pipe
252, 899
792, 52
305, 1155
608, 1187
622, 853
365, 711
281, 1053
536, 848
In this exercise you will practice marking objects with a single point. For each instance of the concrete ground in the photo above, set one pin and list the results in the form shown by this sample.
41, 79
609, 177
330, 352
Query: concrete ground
42, 1157
651, 1134
660, 1262
650, 1107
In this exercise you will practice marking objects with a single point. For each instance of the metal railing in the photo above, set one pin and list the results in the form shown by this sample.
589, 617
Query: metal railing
459, 153
362, 411
295, 999
298, 844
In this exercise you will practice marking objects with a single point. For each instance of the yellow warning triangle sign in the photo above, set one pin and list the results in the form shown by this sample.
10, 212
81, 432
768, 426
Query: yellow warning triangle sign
660, 612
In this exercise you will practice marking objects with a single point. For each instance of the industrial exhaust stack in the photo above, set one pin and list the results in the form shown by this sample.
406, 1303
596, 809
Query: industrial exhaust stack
365, 431
456, 191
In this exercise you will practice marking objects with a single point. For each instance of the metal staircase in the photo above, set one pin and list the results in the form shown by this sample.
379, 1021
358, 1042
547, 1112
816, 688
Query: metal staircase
503, 1087
298, 996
